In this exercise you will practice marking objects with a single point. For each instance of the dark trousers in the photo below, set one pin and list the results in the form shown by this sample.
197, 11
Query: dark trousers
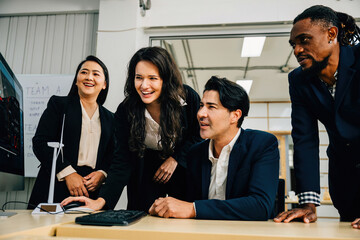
143, 190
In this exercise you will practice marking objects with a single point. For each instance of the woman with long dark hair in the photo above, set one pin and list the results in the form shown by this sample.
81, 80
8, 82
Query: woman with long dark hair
87, 137
156, 124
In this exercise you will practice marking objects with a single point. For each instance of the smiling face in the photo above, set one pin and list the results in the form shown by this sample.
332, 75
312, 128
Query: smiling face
313, 44
148, 82
90, 80
216, 121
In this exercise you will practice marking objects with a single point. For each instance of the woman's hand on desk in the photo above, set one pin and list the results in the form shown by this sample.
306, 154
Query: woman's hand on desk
97, 204
166, 170
75, 184
307, 213
94, 180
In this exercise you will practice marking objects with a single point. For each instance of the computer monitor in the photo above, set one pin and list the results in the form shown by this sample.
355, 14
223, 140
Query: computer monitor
11, 130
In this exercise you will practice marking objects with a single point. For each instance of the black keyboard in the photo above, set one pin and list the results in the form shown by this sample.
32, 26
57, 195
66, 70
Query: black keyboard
111, 217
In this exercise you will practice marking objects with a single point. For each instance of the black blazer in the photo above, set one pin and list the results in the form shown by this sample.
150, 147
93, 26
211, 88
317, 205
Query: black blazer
127, 168
49, 130
252, 179
312, 102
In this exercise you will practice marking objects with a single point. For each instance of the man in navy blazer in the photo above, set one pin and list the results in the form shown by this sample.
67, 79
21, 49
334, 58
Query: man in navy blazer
233, 175
326, 88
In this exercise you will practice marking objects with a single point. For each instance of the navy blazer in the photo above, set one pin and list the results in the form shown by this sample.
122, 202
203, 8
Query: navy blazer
252, 179
49, 130
311, 101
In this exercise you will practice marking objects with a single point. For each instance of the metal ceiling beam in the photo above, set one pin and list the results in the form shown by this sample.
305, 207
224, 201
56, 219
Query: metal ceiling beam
246, 67
170, 48
285, 68
190, 70
235, 68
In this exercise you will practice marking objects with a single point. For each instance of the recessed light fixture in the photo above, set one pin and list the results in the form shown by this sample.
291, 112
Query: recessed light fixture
246, 84
252, 46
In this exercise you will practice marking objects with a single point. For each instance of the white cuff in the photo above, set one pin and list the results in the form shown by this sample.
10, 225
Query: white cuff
65, 172
103, 172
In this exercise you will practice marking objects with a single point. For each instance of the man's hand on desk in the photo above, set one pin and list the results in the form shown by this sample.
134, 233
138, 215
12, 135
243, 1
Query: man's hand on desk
356, 223
172, 207
307, 213
97, 204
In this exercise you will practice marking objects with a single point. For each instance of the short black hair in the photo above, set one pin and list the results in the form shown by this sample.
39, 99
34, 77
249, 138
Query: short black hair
349, 32
103, 93
232, 96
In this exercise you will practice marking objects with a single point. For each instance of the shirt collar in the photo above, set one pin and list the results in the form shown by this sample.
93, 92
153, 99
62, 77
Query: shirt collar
95, 116
229, 146
182, 102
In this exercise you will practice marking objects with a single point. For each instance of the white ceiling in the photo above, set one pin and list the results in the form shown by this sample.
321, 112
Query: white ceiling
221, 57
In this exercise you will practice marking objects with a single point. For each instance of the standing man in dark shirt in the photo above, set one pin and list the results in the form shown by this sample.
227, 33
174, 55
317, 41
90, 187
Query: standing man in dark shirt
326, 88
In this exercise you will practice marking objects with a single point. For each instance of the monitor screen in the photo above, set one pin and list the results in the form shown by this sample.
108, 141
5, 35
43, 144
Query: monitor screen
11, 130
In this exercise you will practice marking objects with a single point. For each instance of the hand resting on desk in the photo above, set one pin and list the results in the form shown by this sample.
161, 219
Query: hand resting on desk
172, 207
307, 213
97, 204
356, 223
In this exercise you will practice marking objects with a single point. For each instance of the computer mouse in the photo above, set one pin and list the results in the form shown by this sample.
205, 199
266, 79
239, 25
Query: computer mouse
73, 205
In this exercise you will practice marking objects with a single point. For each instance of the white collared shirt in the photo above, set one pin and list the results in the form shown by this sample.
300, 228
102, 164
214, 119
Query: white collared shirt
219, 169
152, 130
89, 139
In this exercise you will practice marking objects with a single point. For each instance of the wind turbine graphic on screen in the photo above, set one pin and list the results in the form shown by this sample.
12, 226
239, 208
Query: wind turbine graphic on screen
50, 206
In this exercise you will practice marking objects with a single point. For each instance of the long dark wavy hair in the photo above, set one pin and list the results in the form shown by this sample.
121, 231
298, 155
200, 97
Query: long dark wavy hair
170, 106
349, 32
103, 93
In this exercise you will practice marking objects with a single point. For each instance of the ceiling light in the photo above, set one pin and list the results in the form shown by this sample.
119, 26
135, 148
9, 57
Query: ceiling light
246, 84
252, 46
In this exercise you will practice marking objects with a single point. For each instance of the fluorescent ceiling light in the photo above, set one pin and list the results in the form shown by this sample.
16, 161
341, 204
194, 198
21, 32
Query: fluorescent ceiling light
252, 46
246, 84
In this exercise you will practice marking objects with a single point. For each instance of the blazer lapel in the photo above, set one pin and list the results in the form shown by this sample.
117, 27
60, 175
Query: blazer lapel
345, 74
237, 154
321, 92
73, 120
205, 172
104, 133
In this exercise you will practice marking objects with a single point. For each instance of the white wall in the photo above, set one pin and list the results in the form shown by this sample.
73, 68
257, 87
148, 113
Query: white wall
200, 12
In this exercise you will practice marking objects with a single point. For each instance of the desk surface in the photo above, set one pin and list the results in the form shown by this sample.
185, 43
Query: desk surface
158, 228
25, 225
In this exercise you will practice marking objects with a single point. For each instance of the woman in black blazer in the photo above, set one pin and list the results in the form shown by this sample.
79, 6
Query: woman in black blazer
82, 168
155, 126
